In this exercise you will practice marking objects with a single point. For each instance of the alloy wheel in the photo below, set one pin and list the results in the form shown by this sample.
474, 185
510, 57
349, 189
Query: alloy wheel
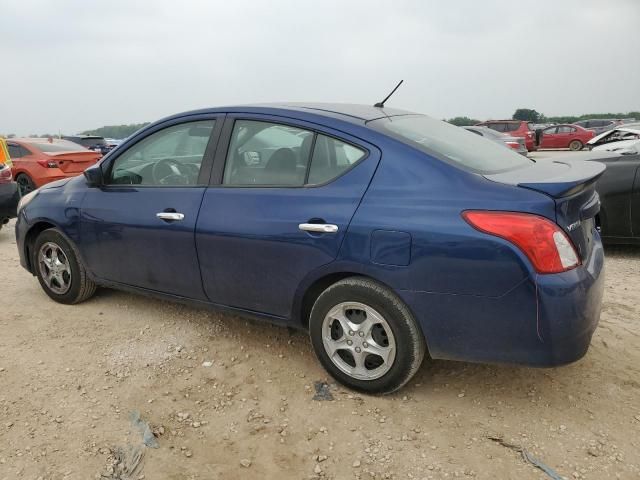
358, 340
55, 269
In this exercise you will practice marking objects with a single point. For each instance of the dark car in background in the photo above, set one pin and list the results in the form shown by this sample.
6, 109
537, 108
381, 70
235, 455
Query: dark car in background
619, 192
597, 125
91, 142
9, 195
515, 128
514, 143
385, 234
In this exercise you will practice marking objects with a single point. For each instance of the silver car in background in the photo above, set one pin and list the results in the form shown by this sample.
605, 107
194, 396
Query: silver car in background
515, 143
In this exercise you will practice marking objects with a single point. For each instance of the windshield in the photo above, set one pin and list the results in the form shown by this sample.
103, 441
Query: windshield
57, 146
451, 144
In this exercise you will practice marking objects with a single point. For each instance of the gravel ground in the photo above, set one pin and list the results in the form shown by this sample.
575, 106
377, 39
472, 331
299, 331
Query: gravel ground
231, 399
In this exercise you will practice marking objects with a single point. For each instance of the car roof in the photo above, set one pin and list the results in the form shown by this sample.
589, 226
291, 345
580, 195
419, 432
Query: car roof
509, 121
350, 112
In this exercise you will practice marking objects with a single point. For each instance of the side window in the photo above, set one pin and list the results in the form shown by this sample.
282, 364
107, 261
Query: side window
511, 127
169, 157
498, 127
564, 129
331, 157
264, 153
15, 151
549, 131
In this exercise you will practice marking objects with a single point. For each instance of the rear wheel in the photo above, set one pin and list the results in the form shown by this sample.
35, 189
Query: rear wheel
59, 269
365, 336
25, 184
575, 145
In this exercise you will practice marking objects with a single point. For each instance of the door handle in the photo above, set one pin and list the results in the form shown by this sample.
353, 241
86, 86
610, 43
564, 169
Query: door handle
170, 216
318, 227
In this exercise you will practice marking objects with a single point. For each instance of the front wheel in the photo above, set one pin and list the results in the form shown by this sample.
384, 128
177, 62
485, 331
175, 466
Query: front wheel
59, 269
365, 336
575, 145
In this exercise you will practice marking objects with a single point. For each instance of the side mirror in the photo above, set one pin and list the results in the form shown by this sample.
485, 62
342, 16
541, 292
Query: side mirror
93, 175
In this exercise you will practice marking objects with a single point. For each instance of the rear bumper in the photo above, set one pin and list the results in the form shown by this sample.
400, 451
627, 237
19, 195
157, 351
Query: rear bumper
9, 198
545, 321
52, 175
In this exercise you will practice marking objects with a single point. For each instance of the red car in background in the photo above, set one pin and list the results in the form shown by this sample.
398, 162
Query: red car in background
514, 128
37, 161
573, 137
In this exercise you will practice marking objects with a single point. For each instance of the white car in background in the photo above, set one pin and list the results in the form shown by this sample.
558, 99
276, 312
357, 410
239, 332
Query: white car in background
619, 137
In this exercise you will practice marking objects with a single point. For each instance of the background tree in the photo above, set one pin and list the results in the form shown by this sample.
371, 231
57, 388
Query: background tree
463, 121
528, 115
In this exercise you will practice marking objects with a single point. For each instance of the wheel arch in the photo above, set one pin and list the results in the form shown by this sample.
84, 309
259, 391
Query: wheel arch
310, 293
36, 229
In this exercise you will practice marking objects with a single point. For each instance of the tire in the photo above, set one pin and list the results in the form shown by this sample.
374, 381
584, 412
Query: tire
25, 184
575, 145
69, 282
354, 302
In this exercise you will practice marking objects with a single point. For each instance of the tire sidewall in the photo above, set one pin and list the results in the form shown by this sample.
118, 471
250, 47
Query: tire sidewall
29, 181
401, 371
576, 142
54, 236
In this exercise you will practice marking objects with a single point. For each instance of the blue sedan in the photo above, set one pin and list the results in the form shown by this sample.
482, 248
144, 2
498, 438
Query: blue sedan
387, 235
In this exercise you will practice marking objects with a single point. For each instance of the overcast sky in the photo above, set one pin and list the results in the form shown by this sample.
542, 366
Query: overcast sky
72, 65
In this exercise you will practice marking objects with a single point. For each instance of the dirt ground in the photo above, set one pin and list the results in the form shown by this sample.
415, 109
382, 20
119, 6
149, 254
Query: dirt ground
70, 376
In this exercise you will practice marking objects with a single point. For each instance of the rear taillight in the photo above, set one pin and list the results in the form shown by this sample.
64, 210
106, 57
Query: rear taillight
5, 174
514, 145
541, 240
48, 163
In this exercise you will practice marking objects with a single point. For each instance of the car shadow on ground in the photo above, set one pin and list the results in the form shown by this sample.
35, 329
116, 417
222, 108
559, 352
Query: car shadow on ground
436, 377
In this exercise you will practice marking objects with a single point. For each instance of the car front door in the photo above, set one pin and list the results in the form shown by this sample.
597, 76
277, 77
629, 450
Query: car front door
549, 137
282, 197
138, 229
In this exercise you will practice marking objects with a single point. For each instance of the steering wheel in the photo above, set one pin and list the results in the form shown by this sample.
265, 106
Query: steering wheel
169, 172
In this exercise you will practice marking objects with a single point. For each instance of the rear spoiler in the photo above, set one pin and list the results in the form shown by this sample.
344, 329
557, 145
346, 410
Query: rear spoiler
556, 178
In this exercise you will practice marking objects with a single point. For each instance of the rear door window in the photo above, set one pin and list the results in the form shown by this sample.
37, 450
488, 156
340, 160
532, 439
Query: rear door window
272, 154
15, 151
498, 127
265, 153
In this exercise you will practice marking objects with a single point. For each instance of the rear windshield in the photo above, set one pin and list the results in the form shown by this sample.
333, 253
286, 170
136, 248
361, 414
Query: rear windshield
451, 144
58, 146
89, 142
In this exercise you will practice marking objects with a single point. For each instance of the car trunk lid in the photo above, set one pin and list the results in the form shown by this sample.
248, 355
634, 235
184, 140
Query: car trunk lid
74, 162
571, 185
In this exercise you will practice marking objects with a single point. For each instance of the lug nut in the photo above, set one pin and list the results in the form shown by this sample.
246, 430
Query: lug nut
357, 349
361, 334
351, 332
349, 342
365, 344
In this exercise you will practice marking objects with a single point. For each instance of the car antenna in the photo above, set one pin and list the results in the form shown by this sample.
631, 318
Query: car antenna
381, 104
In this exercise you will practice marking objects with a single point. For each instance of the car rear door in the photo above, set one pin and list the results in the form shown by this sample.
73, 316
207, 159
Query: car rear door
283, 194
138, 229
